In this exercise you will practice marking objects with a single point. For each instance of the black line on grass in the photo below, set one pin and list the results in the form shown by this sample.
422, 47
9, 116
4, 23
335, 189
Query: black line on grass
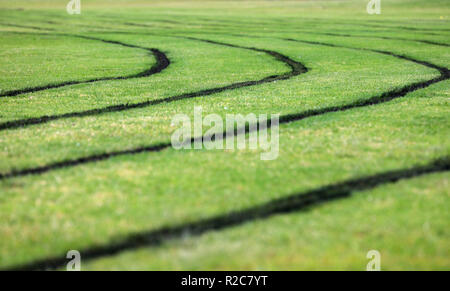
162, 62
83, 160
26, 26
234, 24
419, 29
377, 37
296, 69
324, 33
293, 203
384, 97
369, 36
442, 70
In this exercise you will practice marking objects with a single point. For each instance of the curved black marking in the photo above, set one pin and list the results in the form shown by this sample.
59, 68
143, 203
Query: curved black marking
234, 24
429, 42
26, 26
421, 29
83, 160
293, 203
323, 33
378, 99
377, 37
442, 70
162, 62
296, 69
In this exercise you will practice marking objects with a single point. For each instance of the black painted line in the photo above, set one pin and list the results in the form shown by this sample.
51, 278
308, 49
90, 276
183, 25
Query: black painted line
26, 26
232, 24
162, 62
293, 203
429, 42
377, 37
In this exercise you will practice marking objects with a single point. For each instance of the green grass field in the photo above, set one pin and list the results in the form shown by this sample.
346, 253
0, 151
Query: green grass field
86, 107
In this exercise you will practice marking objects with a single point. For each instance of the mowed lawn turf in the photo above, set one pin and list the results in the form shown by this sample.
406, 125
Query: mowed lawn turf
141, 209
